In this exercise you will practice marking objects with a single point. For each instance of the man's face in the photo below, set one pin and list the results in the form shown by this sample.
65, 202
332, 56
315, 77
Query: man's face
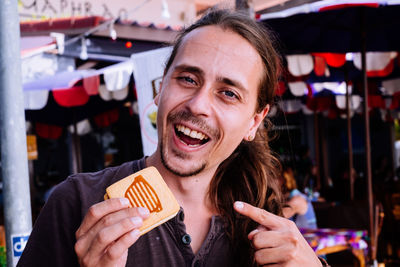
208, 100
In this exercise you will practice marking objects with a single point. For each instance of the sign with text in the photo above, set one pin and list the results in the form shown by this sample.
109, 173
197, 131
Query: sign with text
18, 245
178, 12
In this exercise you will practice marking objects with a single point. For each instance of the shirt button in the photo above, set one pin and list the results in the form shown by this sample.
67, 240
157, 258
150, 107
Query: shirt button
181, 216
186, 239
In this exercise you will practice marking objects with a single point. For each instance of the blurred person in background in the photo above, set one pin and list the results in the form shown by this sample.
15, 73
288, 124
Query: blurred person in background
298, 206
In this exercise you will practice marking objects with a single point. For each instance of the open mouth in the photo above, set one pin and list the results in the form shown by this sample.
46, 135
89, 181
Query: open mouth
190, 137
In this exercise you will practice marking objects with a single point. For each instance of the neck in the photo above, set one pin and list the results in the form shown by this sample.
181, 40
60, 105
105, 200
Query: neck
191, 192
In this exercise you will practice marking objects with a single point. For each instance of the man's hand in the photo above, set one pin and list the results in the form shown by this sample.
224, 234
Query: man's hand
107, 231
277, 241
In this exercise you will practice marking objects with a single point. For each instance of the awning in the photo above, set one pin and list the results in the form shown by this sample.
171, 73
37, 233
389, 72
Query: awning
31, 45
63, 95
73, 88
379, 64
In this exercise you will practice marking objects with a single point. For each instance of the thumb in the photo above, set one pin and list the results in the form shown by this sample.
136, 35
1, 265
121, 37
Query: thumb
260, 228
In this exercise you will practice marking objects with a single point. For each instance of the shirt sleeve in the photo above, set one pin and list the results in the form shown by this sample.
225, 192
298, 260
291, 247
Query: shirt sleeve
52, 240
324, 262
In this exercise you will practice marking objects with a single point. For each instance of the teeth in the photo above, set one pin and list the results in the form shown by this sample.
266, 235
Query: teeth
186, 131
191, 133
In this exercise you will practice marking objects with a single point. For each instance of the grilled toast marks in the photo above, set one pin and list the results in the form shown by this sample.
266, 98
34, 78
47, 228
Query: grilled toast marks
141, 194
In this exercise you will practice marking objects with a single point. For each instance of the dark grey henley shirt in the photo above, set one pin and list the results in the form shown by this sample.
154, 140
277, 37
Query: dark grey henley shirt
53, 237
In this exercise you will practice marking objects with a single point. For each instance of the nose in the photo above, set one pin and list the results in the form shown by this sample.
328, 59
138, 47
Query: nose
200, 102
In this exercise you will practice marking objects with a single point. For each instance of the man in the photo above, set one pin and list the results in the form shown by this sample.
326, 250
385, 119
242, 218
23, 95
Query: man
216, 91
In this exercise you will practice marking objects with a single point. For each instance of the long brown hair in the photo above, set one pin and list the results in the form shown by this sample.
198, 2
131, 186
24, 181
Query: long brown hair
251, 173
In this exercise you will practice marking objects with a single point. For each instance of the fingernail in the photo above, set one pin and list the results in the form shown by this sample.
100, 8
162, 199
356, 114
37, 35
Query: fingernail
239, 205
124, 201
137, 221
143, 211
135, 233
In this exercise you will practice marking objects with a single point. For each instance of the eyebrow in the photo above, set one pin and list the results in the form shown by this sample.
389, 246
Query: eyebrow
200, 72
233, 83
189, 68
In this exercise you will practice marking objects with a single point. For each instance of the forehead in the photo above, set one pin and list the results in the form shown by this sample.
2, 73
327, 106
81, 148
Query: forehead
215, 37
220, 51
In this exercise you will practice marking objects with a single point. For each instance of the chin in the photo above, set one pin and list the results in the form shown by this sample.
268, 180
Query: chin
181, 165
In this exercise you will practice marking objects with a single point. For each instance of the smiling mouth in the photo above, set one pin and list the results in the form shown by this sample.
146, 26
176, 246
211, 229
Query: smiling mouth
190, 137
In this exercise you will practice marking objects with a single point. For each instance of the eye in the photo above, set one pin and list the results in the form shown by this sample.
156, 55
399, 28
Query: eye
187, 79
230, 94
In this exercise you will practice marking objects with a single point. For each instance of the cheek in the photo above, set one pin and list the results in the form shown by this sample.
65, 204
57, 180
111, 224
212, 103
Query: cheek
157, 99
166, 104
235, 127
230, 142
235, 122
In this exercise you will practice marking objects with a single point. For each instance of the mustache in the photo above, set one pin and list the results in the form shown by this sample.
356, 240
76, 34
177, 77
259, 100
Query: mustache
185, 115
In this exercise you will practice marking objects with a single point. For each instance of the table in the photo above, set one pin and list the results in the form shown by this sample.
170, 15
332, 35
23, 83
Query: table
325, 241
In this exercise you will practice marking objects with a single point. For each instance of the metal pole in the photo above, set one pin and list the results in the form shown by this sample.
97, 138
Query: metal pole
317, 147
367, 138
322, 179
77, 148
73, 160
17, 206
350, 142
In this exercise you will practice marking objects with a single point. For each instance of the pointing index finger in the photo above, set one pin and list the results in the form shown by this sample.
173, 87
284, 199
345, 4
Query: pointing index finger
261, 216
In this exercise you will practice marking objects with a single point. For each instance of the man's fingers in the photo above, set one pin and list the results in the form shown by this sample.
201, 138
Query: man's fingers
99, 210
263, 217
259, 229
85, 240
270, 256
119, 247
104, 230
268, 239
108, 235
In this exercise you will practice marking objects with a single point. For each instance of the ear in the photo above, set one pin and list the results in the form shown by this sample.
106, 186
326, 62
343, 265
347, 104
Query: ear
258, 118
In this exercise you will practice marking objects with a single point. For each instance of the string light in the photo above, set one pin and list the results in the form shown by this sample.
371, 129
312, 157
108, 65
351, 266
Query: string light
83, 55
349, 56
164, 10
128, 44
104, 26
113, 32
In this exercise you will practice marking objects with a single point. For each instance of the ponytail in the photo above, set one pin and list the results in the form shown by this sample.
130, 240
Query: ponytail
251, 175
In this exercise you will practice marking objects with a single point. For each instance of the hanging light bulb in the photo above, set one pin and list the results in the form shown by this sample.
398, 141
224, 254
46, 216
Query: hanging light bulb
349, 56
113, 32
164, 10
128, 44
83, 55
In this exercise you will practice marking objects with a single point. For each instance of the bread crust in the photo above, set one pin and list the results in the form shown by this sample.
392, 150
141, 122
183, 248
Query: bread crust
146, 188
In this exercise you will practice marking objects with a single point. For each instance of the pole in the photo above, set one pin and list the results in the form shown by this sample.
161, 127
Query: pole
350, 141
367, 138
323, 179
17, 206
317, 147
77, 149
